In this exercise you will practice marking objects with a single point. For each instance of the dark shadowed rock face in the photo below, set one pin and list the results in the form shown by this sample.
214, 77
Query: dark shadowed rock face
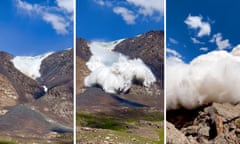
26, 88
57, 69
149, 47
217, 123
82, 49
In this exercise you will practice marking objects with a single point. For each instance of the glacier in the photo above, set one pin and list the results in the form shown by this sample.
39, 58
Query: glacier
30, 65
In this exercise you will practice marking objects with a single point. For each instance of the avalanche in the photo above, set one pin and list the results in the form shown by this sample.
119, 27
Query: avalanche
113, 71
212, 77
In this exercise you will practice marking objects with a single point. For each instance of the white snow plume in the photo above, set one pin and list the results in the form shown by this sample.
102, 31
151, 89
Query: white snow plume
29, 65
213, 77
45, 88
134, 69
113, 71
109, 80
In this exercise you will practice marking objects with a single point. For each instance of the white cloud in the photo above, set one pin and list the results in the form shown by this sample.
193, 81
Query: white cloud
142, 9
24, 5
221, 44
148, 7
65, 4
203, 49
195, 41
103, 3
195, 22
59, 16
173, 53
57, 22
100, 2
126, 14
173, 41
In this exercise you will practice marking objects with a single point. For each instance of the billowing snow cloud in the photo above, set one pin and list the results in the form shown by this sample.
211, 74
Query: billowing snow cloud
212, 77
60, 17
113, 71
195, 22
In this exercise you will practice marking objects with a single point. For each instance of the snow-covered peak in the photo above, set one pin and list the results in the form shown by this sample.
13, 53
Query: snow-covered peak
30, 65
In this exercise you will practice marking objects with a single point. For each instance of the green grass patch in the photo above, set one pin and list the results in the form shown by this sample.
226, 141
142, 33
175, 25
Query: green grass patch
161, 136
153, 117
95, 121
6, 141
123, 137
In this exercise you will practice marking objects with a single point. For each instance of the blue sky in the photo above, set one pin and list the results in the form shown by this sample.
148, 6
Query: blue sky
32, 27
106, 20
195, 28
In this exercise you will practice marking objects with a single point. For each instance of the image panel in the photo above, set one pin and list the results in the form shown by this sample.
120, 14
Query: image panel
36, 71
202, 72
120, 72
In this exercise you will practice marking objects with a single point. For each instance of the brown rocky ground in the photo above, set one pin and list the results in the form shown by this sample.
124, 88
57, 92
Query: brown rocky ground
8, 94
215, 124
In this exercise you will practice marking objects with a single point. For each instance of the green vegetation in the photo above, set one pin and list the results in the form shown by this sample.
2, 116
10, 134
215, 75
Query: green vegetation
161, 136
153, 117
95, 121
118, 126
120, 137
6, 141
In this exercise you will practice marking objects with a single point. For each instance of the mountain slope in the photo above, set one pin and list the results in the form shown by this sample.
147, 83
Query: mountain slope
26, 88
37, 108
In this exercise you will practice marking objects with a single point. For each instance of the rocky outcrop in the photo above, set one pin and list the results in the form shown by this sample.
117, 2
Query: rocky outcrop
174, 136
57, 70
26, 88
82, 49
8, 94
81, 71
218, 123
